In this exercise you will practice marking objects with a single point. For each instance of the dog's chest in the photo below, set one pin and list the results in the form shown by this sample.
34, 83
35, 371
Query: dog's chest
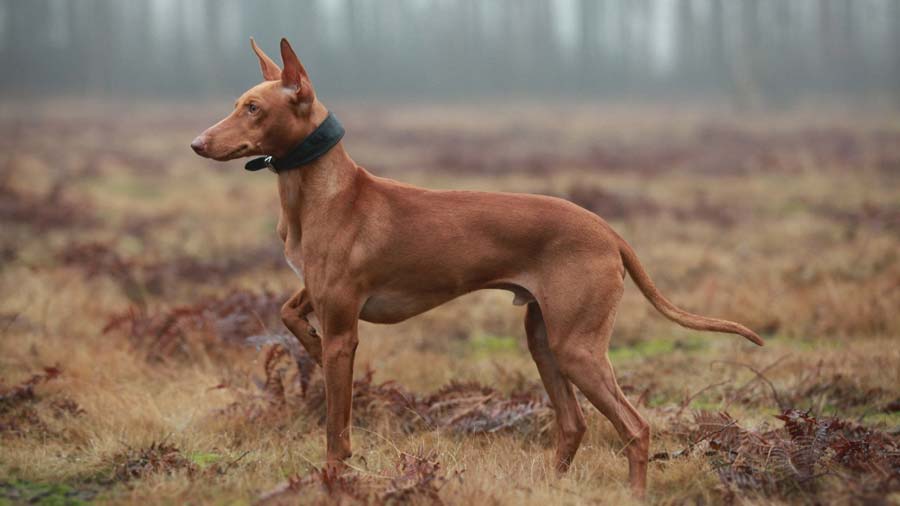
296, 265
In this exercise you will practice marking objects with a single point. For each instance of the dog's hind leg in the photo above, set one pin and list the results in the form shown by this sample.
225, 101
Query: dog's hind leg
595, 378
569, 418
295, 314
579, 334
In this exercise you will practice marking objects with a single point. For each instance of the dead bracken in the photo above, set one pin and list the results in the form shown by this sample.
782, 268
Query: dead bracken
796, 459
416, 479
211, 322
18, 405
99, 231
139, 278
53, 209
468, 407
158, 457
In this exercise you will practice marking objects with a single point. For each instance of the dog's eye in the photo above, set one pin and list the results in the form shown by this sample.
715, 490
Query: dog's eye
252, 108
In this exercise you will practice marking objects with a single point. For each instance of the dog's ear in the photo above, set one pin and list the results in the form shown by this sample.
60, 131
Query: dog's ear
270, 69
294, 76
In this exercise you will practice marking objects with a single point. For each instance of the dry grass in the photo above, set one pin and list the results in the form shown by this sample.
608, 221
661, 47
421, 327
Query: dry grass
135, 272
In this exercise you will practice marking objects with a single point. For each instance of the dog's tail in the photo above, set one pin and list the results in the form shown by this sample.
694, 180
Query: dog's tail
671, 311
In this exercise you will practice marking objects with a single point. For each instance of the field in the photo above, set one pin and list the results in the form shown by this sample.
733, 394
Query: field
141, 358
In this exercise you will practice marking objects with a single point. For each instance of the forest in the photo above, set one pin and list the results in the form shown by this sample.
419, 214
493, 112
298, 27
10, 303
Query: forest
750, 52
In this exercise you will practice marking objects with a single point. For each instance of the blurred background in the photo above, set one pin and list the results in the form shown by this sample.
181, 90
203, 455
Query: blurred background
749, 150
748, 52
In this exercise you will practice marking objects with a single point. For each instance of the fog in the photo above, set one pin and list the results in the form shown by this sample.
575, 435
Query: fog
748, 52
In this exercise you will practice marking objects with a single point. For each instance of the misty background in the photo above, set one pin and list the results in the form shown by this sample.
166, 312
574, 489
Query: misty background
747, 52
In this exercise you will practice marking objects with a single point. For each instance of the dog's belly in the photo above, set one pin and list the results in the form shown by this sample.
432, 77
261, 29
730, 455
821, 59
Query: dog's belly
395, 306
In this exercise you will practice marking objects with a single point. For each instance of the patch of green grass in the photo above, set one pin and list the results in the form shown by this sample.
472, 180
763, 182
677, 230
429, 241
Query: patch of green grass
488, 345
889, 420
654, 347
202, 459
706, 404
43, 494
656, 400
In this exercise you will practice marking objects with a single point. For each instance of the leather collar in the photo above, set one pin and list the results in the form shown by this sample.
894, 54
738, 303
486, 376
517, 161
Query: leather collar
316, 144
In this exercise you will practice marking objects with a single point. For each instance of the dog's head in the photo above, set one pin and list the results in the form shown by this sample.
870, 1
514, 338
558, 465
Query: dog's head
269, 118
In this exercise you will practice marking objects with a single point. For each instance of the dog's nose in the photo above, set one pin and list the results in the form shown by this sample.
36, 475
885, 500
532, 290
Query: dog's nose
199, 145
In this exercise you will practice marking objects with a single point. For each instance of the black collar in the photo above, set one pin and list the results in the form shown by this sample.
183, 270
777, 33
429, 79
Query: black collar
316, 144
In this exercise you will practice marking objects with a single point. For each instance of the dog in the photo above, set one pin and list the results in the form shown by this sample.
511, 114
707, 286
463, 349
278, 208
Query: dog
370, 248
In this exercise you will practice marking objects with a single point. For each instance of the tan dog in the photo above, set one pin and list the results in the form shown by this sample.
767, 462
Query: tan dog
371, 248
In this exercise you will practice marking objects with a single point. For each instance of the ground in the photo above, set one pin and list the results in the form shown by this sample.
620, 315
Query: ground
139, 289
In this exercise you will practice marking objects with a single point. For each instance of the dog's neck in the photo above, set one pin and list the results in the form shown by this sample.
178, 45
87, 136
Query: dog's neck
312, 188
317, 182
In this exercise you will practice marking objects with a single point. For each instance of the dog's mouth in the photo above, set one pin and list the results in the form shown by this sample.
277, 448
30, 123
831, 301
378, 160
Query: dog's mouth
238, 152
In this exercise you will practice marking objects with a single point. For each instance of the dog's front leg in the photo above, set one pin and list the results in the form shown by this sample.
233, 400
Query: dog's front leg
294, 314
338, 350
